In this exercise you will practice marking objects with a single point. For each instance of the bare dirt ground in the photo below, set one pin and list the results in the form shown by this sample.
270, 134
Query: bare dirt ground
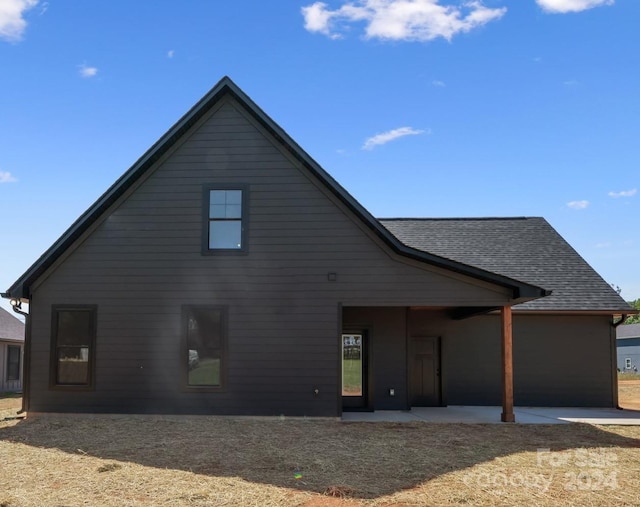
146, 461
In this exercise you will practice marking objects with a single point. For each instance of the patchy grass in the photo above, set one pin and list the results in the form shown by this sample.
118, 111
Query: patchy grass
629, 394
204, 461
628, 376
10, 403
10, 396
206, 372
352, 377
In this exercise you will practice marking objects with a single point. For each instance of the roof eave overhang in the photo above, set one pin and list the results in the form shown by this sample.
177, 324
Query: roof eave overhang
16, 340
614, 312
521, 292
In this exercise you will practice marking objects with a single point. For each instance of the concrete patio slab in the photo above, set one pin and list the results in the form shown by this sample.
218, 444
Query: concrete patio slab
491, 415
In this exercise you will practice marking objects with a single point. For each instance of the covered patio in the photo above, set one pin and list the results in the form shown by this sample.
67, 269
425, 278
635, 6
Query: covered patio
492, 415
409, 371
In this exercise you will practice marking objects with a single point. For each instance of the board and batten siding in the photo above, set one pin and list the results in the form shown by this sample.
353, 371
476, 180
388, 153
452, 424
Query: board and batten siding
142, 261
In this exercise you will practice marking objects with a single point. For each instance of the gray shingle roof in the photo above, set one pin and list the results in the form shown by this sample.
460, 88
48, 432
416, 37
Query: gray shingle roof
10, 327
525, 248
628, 331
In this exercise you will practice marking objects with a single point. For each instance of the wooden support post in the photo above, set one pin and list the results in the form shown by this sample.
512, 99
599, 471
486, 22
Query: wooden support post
507, 366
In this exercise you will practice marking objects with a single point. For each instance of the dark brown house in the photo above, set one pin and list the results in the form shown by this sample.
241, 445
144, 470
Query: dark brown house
227, 273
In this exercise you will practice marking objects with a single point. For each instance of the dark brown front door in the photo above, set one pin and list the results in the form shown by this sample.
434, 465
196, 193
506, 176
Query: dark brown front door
424, 372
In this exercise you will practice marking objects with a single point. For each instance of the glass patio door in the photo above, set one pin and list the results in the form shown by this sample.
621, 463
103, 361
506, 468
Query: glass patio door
354, 371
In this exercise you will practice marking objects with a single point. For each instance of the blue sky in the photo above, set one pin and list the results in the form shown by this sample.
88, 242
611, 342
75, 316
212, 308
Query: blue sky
420, 108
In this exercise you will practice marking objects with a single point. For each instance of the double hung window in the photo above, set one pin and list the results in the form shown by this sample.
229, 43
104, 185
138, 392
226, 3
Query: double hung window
225, 219
73, 345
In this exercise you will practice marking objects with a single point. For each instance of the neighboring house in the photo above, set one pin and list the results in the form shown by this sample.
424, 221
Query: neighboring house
227, 273
628, 343
11, 352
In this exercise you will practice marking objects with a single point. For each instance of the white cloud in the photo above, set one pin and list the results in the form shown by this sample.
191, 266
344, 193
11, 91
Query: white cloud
571, 83
86, 71
7, 177
438, 83
578, 204
564, 6
623, 193
409, 20
12, 22
170, 53
605, 244
317, 18
391, 135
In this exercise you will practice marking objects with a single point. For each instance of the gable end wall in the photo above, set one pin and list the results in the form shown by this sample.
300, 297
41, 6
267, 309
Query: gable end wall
143, 261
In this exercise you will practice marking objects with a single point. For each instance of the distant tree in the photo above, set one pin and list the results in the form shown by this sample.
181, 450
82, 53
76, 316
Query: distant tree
634, 319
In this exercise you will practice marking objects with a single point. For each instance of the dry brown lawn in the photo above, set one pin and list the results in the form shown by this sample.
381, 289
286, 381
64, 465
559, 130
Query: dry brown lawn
9, 405
73, 460
629, 394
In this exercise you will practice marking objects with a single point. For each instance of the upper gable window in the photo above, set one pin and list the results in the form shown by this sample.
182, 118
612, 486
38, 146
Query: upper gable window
225, 219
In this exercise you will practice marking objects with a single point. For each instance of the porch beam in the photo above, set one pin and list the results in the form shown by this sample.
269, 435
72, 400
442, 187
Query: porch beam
464, 312
507, 365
